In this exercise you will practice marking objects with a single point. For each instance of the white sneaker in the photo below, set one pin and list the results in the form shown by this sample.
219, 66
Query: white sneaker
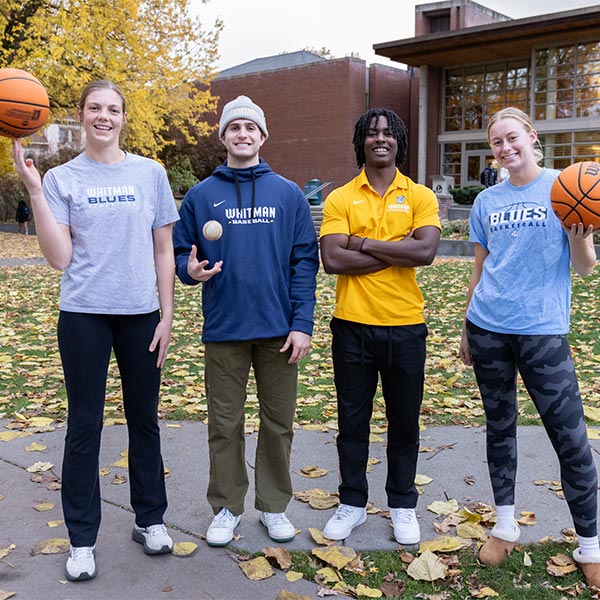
220, 532
406, 526
155, 538
278, 525
344, 520
81, 563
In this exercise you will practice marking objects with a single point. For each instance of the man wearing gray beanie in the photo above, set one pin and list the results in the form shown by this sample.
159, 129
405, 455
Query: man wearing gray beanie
243, 108
258, 297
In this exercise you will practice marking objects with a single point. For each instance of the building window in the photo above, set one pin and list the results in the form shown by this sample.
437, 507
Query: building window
439, 23
452, 160
567, 81
474, 93
565, 148
563, 83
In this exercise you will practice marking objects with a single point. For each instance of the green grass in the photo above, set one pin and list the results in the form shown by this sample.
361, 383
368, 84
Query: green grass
31, 375
31, 383
512, 581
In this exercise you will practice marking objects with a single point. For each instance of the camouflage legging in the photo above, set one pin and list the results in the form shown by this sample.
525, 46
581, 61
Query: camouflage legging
547, 370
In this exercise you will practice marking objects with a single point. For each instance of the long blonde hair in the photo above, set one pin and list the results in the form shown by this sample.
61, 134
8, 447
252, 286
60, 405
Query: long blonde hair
510, 112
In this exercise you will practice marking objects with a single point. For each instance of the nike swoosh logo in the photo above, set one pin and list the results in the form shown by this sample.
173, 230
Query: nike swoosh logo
215, 204
357, 201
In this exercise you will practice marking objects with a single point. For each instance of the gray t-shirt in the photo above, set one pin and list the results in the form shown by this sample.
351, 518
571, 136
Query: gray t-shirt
111, 211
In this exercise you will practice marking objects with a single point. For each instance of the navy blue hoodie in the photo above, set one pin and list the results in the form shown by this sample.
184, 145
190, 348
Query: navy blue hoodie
269, 251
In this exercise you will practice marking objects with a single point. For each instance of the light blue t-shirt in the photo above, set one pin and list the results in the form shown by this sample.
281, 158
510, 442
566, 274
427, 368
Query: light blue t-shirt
112, 211
525, 285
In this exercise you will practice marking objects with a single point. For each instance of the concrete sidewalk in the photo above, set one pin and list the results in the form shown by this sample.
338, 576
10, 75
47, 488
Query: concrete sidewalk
125, 572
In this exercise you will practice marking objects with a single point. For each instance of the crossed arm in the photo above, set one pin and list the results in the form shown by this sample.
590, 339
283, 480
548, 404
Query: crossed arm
353, 255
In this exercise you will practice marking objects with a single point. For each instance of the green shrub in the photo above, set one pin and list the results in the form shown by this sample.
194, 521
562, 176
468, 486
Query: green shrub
465, 195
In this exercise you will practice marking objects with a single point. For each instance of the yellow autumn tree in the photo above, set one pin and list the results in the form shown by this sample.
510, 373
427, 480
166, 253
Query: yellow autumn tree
154, 50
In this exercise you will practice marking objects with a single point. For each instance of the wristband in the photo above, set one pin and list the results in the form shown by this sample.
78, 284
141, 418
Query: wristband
360, 249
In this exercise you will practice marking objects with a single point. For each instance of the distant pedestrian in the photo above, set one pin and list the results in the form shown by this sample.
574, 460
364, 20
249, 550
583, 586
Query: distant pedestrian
517, 321
22, 217
489, 175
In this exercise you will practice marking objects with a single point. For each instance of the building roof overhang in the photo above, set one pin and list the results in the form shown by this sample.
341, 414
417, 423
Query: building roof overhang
494, 42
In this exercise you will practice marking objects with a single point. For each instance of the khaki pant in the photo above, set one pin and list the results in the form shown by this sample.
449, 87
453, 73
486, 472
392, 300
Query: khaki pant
227, 367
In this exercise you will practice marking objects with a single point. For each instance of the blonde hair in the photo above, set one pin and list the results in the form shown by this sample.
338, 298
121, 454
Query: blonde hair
100, 84
510, 112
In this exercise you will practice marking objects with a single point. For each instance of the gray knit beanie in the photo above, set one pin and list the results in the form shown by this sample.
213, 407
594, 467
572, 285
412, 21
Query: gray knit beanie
243, 108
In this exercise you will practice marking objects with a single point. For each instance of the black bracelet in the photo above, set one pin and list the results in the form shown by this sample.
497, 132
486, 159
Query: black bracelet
362, 244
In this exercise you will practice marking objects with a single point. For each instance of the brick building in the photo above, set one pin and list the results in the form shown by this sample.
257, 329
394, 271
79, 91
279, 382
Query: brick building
465, 62
311, 105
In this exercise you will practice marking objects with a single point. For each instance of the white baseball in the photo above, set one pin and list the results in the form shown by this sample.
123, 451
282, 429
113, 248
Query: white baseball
212, 230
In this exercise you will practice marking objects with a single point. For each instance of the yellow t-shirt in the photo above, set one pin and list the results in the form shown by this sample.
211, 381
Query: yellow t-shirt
390, 296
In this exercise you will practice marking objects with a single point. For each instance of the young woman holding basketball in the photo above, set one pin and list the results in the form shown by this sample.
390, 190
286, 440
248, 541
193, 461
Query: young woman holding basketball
105, 219
517, 320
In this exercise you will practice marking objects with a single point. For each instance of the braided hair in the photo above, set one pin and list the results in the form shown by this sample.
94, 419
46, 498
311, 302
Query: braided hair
395, 125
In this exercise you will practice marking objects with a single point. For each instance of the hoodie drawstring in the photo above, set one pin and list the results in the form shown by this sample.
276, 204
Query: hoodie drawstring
238, 191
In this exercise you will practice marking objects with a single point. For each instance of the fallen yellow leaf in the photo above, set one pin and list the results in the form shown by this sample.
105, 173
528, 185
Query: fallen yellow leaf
427, 567
471, 530
39, 421
9, 436
329, 575
318, 536
338, 556
285, 595
444, 543
527, 518
34, 447
257, 568
4, 552
56, 523
312, 471
485, 592
422, 479
39, 466
184, 549
363, 590
51, 546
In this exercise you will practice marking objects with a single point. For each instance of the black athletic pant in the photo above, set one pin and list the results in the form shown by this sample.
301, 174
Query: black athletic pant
547, 370
85, 343
361, 354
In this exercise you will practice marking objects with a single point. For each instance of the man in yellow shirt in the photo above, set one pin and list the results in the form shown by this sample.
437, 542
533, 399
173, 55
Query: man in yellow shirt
376, 229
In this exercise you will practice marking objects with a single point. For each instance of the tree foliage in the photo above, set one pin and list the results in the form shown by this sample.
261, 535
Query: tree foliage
158, 54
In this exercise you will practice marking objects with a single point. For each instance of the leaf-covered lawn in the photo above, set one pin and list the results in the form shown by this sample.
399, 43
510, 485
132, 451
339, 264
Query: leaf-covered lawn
31, 388
32, 379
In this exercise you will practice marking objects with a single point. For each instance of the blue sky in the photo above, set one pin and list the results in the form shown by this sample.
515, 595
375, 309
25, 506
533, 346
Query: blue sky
266, 27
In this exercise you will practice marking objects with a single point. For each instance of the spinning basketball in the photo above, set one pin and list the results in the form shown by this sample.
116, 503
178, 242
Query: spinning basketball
575, 195
24, 104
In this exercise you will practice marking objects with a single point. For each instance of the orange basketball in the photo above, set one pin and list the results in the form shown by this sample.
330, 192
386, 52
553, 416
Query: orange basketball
24, 104
575, 194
